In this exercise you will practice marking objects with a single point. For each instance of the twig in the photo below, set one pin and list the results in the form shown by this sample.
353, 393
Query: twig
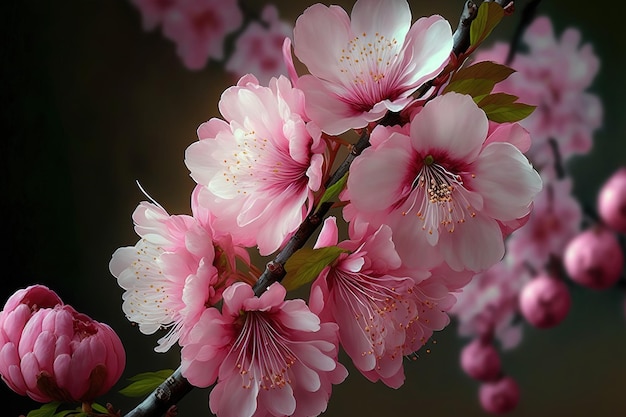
528, 14
161, 400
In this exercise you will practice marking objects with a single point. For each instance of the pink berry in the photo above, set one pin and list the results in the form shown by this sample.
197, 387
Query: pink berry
545, 301
612, 201
480, 360
594, 258
499, 397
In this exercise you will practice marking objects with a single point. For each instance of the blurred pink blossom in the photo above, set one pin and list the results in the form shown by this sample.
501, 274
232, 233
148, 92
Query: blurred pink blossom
489, 303
545, 301
445, 187
270, 356
177, 268
50, 352
554, 75
199, 28
366, 64
556, 218
259, 167
259, 49
153, 11
499, 397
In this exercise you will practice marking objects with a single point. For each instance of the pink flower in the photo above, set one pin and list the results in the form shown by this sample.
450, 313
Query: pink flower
364, 65
199, 28
555, 219
173, 272
553, 75
259, 49
259, 168
382, 314
50, 352
488, 304
154, 11
499, 397
444, 187
270, 356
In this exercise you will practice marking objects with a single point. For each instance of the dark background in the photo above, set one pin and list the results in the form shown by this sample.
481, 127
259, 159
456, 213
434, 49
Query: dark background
91, 102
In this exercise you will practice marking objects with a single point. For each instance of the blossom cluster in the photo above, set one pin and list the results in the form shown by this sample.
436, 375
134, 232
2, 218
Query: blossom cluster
428, 204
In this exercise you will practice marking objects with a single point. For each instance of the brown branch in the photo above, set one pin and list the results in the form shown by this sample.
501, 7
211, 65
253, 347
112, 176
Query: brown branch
161, 400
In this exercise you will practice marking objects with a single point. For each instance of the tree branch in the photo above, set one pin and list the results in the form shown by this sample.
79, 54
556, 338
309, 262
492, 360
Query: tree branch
172, 390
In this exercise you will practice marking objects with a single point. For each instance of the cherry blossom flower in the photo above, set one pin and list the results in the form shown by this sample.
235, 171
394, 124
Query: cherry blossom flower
555, 220
51, 352
199, 28
611, 201
487, 306
175, 269
553, 75
259, 168
545, 301
366, 64
153, 12
382, 314
259, 49
270, 356
444, 188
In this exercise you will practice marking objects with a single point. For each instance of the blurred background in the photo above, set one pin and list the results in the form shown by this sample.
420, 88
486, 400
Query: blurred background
91, 102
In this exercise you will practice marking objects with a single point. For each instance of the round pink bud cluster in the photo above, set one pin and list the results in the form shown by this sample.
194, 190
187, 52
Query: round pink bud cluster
499, 397
612, 201
51, 352
481, 360
594, 258
545, 301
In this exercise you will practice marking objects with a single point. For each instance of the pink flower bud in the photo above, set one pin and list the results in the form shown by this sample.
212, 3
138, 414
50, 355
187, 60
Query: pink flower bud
499, 397
480, 360
50, 352
545, 301
594, 258
612, 201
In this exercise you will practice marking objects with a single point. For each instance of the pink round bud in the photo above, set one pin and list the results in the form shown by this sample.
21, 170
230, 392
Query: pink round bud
594, 258
50, 352
612, 201
545, 301
499, 397
481, 360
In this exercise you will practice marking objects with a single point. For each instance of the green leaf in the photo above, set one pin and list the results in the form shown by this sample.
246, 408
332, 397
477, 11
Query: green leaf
513, 112
497, 99
333, 191
99, 408
478, 79
145, 383
73, 413
46, 410
484, 70
306, 264
488, 17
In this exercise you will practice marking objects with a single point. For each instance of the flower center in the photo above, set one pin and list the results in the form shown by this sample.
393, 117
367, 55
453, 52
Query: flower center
367, 61
259, 165
440, 198
263, 354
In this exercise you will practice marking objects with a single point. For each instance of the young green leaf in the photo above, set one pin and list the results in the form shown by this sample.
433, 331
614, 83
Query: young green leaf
46, 410
333, 191
497, 99
508, 113
145, 383
478, 79
99, 408
488, 16
306, 264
